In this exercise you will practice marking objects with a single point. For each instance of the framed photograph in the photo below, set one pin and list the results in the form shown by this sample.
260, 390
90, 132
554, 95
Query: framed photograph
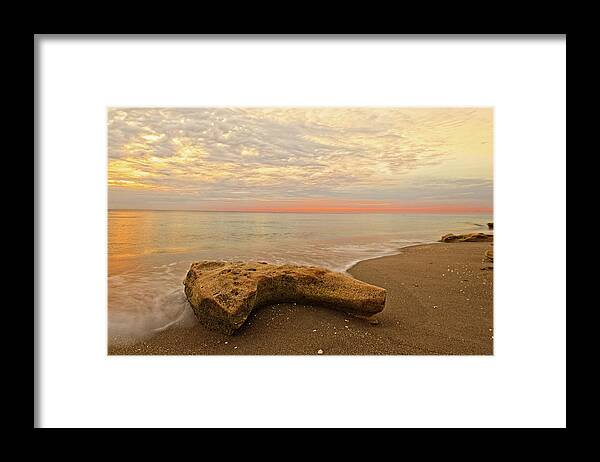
245, 231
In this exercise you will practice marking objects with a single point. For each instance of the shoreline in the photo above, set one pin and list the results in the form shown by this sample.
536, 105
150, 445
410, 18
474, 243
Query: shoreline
439, 302
397, 251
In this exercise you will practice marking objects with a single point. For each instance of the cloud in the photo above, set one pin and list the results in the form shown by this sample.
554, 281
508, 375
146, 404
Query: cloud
194, 155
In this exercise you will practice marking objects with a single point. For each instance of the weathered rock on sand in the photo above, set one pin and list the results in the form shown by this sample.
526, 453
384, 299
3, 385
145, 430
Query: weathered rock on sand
490, 225
471, 237
223, 294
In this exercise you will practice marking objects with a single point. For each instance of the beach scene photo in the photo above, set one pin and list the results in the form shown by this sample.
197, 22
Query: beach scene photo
300, 231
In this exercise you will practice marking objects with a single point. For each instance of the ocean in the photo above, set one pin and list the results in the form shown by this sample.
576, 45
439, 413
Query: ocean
149, 252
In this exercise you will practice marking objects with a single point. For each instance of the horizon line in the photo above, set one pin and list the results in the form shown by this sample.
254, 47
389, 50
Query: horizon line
418, 211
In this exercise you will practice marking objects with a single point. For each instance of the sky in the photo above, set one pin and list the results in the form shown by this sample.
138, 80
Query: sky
301, 159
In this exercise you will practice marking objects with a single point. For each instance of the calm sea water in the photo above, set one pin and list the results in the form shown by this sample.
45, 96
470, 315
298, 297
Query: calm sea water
149, 252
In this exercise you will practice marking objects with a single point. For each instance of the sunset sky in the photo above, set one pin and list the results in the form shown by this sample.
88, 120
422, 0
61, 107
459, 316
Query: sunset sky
303, 159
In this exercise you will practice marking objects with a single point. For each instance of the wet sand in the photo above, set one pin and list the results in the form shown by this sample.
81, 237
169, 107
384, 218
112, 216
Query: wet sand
439, 302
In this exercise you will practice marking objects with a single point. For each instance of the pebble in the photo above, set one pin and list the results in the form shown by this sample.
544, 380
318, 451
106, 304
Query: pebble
320, 352
314, 330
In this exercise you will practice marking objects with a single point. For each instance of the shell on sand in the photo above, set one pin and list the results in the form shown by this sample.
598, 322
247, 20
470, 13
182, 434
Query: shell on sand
223, 294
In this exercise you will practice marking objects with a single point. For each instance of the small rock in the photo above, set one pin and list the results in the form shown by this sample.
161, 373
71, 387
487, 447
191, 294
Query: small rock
320, 352
471, 237
489, 255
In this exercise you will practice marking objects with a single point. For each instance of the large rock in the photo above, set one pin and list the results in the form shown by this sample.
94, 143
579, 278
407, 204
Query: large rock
471, 237
222, 294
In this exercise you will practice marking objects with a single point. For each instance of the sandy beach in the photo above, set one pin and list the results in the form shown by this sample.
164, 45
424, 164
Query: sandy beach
439, 302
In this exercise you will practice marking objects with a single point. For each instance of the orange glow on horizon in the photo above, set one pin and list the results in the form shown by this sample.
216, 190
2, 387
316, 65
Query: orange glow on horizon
323, 205
432, 209
328, 206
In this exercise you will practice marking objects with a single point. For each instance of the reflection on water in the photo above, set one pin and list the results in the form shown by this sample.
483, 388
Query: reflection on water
149, 252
